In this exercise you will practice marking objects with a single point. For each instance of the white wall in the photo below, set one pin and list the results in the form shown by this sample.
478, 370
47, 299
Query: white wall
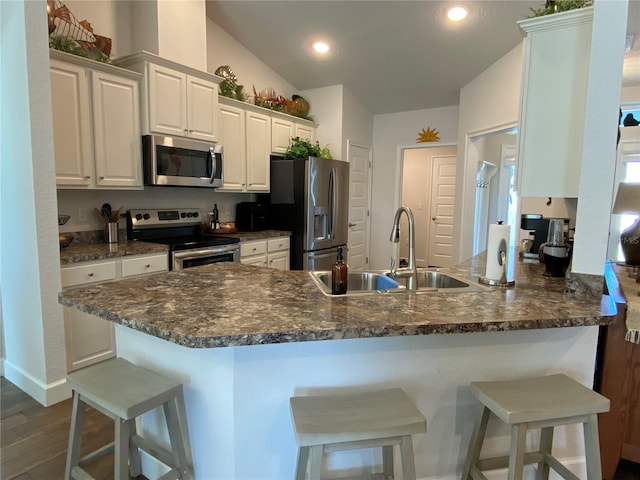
326, 109
390, 132
223, 49
630, 94
489, 102
30, 267
357, 123
109, 19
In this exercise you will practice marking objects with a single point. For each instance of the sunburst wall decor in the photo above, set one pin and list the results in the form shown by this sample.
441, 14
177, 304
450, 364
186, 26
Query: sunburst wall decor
428, 135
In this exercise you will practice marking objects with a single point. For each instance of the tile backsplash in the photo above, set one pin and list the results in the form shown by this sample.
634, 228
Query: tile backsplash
81, 204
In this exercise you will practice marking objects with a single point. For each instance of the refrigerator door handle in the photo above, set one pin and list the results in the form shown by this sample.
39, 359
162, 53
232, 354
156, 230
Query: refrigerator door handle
333, 192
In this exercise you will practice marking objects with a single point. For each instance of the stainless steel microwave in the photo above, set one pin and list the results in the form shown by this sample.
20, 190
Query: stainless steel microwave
181, 162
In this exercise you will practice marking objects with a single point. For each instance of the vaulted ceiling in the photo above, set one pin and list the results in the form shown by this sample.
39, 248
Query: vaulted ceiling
393, 55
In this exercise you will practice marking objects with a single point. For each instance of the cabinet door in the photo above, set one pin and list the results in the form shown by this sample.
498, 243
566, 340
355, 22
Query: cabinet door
232, 137
258, 151
258, 261
71, 125
202, 107
167, 101
279, 260
553, 102
305, 132
116, 131
281, 133
89, 339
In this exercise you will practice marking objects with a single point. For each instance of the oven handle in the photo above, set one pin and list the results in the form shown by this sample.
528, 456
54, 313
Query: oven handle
205, 252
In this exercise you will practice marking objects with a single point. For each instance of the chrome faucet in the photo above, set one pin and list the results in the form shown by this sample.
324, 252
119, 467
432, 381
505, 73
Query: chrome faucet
411, 270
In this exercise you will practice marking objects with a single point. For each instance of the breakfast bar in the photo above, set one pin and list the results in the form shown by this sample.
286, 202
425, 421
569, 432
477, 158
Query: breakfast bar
244, 339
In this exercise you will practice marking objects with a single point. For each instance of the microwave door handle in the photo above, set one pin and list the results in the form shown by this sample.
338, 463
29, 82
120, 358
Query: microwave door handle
211, 161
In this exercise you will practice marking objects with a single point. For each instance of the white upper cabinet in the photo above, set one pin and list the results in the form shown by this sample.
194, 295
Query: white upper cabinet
284, 129
233, 138
258, 154
96, 124
281, 133
177, 100
116, 131
305, 132
553, 98
247, 133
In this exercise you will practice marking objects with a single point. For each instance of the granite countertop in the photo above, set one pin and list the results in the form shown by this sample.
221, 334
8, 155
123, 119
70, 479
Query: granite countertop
88, 252
227, 304
88, 248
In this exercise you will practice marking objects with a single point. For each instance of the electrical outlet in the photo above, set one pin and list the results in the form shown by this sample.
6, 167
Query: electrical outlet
83, 214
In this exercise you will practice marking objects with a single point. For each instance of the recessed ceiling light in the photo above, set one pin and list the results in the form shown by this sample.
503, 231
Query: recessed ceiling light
456, 14
321, 47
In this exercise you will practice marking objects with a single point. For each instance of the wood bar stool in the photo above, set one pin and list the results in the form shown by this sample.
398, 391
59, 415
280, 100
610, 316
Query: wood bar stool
541, 402
332, 423
123, 391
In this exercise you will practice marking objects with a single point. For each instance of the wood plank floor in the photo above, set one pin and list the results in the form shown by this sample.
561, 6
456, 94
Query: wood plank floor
33, 439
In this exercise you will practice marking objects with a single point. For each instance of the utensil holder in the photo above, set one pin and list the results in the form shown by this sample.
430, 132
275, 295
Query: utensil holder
111, 232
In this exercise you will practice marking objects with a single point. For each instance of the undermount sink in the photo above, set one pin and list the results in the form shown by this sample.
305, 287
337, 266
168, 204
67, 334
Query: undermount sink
442, 282
357, 282
377, 282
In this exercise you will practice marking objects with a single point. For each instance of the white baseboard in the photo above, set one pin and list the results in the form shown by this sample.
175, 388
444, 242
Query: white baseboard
577, 465
47, 394
152, 468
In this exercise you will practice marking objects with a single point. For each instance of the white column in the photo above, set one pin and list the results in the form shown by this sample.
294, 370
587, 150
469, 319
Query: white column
600, 131
33, 329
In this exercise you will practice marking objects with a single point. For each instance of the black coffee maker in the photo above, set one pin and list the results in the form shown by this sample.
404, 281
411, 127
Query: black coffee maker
539, 228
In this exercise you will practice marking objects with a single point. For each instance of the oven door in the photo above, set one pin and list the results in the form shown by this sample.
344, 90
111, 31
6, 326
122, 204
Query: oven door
181, 162
193, 258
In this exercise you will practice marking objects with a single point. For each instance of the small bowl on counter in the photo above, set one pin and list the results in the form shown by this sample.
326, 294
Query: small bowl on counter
65, 239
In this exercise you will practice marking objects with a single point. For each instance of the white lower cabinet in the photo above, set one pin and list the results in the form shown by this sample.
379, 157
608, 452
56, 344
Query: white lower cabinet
272, 253
89, 339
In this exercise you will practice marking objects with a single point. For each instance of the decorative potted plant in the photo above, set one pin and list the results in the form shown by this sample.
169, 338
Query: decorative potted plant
555, 6
300, 148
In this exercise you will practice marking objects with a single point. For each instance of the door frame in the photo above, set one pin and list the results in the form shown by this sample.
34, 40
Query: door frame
367, 228
397, 201
467, 179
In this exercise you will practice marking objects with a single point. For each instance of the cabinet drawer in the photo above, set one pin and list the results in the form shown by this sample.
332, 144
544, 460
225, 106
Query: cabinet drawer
141, 266
97, 272
253, 248
277, 244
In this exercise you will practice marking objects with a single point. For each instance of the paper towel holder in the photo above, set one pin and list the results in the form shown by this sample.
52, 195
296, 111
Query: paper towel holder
502, 260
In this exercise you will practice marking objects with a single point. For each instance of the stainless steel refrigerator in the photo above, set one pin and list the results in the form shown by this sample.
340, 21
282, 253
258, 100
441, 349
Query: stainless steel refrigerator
310, 197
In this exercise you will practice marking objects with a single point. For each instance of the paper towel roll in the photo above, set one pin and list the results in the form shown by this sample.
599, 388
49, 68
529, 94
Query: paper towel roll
498, 241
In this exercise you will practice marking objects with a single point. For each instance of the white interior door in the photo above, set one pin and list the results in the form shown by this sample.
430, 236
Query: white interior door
443, 186
359, 197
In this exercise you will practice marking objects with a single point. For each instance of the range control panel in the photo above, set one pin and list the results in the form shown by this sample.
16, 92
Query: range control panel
150, 218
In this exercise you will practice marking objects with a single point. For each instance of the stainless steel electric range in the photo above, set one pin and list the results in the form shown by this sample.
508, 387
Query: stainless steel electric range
179, 228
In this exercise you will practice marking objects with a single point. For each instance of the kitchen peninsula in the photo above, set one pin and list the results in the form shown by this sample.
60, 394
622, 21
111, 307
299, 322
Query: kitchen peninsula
237, 397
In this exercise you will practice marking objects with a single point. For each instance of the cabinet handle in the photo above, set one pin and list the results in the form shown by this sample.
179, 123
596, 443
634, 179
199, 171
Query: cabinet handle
101, 178
91, 274
87, 177
147, 266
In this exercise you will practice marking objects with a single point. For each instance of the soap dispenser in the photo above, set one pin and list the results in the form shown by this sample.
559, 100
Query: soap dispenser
339, 275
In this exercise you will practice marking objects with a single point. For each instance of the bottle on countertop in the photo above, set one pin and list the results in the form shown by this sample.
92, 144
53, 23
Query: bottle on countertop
339, 275
215, 220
